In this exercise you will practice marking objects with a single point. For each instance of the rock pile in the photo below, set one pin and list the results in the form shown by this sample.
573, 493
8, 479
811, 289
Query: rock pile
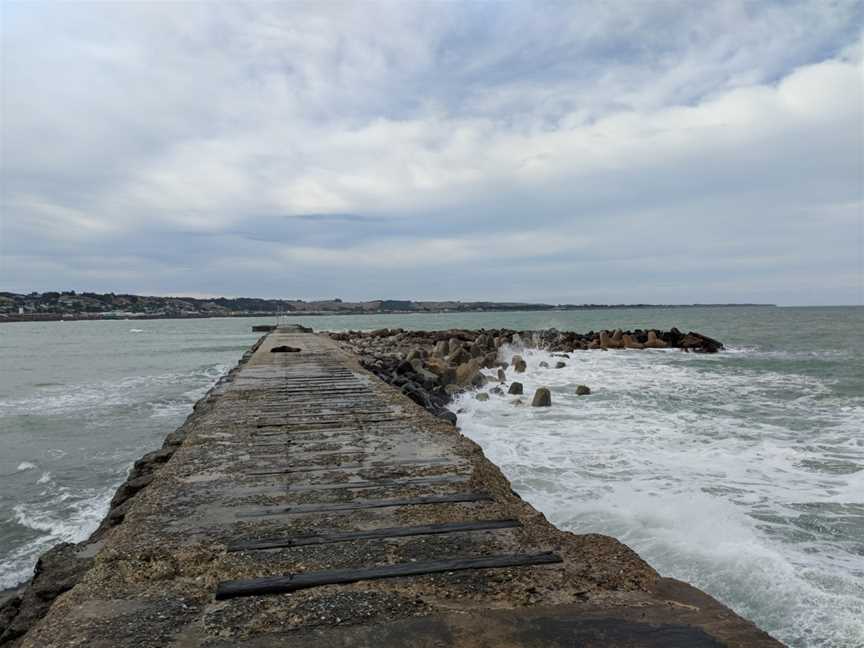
430, 367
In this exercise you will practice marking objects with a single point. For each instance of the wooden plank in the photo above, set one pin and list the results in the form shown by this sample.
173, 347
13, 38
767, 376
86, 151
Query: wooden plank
381, 483
434, 461
332, 537
453, 498
294, 582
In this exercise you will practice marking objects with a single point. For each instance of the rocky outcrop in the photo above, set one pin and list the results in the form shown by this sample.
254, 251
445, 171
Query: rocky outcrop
431, 367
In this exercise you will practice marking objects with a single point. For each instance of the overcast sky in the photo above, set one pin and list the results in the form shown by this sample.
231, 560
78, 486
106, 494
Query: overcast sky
634, 151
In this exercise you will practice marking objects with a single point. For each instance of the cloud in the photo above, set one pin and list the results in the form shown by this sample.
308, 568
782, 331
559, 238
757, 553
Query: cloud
435, 142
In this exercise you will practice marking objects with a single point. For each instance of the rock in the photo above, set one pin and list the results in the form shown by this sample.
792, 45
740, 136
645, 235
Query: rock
542, 398
582, 390
452, 389
630, 343
515, 388
519, 364
441, 349
459, 356
468, 371
653, 342
560, 365
448, 416
482, 397
58, 570
561, 355
502, 375
517, 402
699, 343
497, 390
490, 360
516, 340
284, 349
543, 364
454, 344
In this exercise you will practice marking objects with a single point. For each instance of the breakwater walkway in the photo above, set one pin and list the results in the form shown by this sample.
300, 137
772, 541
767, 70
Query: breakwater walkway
310, 504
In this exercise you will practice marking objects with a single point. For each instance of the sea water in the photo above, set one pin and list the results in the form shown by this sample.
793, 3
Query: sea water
741, 472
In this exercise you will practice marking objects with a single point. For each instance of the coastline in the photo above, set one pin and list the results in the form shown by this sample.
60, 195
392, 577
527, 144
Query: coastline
98, 317
74, 560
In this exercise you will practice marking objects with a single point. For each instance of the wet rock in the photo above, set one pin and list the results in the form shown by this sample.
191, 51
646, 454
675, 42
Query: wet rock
442, 348
482, 397
582, 390
502, 375
630, 343
459, 356
466, 373
543, 364
542, 398
452, 389
560, 365
448, 416
518, 402
515, 388
497, 390
653, 342
284, 349
58, 570
519, 364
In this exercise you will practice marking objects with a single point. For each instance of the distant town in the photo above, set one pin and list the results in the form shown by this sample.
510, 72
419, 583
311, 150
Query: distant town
73, 305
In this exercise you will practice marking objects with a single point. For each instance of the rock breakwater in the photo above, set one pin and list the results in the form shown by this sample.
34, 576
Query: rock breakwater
430, 367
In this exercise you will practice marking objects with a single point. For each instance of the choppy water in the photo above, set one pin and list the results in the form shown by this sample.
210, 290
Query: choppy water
742, 473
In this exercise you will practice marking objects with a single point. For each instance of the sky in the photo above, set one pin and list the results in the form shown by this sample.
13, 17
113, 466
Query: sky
592, 152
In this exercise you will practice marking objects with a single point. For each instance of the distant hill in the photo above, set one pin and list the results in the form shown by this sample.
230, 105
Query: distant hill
88, 305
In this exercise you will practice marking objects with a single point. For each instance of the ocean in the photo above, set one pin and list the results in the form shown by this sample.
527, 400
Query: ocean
741, 473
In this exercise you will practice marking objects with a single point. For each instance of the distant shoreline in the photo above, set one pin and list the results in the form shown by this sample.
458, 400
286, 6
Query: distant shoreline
79, 317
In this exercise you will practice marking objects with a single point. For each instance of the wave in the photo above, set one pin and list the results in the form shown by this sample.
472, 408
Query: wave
738, 479
127, 391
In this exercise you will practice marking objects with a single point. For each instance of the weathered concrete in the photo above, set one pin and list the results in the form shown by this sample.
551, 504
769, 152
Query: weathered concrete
309, 444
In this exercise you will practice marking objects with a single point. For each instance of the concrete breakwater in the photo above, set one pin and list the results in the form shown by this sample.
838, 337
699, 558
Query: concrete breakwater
306, 500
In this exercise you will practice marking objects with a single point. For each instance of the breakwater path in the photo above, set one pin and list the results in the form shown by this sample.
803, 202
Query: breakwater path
310, 504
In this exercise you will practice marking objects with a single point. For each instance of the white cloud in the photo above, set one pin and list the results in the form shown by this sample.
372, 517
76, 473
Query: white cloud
497, 132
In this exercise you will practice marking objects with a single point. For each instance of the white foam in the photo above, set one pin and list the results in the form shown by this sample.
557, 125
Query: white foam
25, 465
706, 466
136, 330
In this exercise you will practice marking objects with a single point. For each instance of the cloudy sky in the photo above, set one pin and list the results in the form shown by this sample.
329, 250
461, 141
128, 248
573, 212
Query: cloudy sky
631, 151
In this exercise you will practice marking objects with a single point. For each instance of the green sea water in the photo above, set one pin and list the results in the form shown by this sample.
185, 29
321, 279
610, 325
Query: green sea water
741, 472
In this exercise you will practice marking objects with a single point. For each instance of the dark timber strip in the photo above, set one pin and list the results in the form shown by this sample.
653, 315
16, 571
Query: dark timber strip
381, 483
371, 504
294, 582
332, 537
435, 461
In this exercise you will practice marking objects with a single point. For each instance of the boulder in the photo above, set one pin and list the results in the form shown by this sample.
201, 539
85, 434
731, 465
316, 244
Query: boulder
482, 396
560, 365
502, 375
654, 342
448, 416
468, 371
519, 364
543, 364
630, 343
542, 398
497, 390
459, 356
518, 402
582, 390
442, 348
515, 388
